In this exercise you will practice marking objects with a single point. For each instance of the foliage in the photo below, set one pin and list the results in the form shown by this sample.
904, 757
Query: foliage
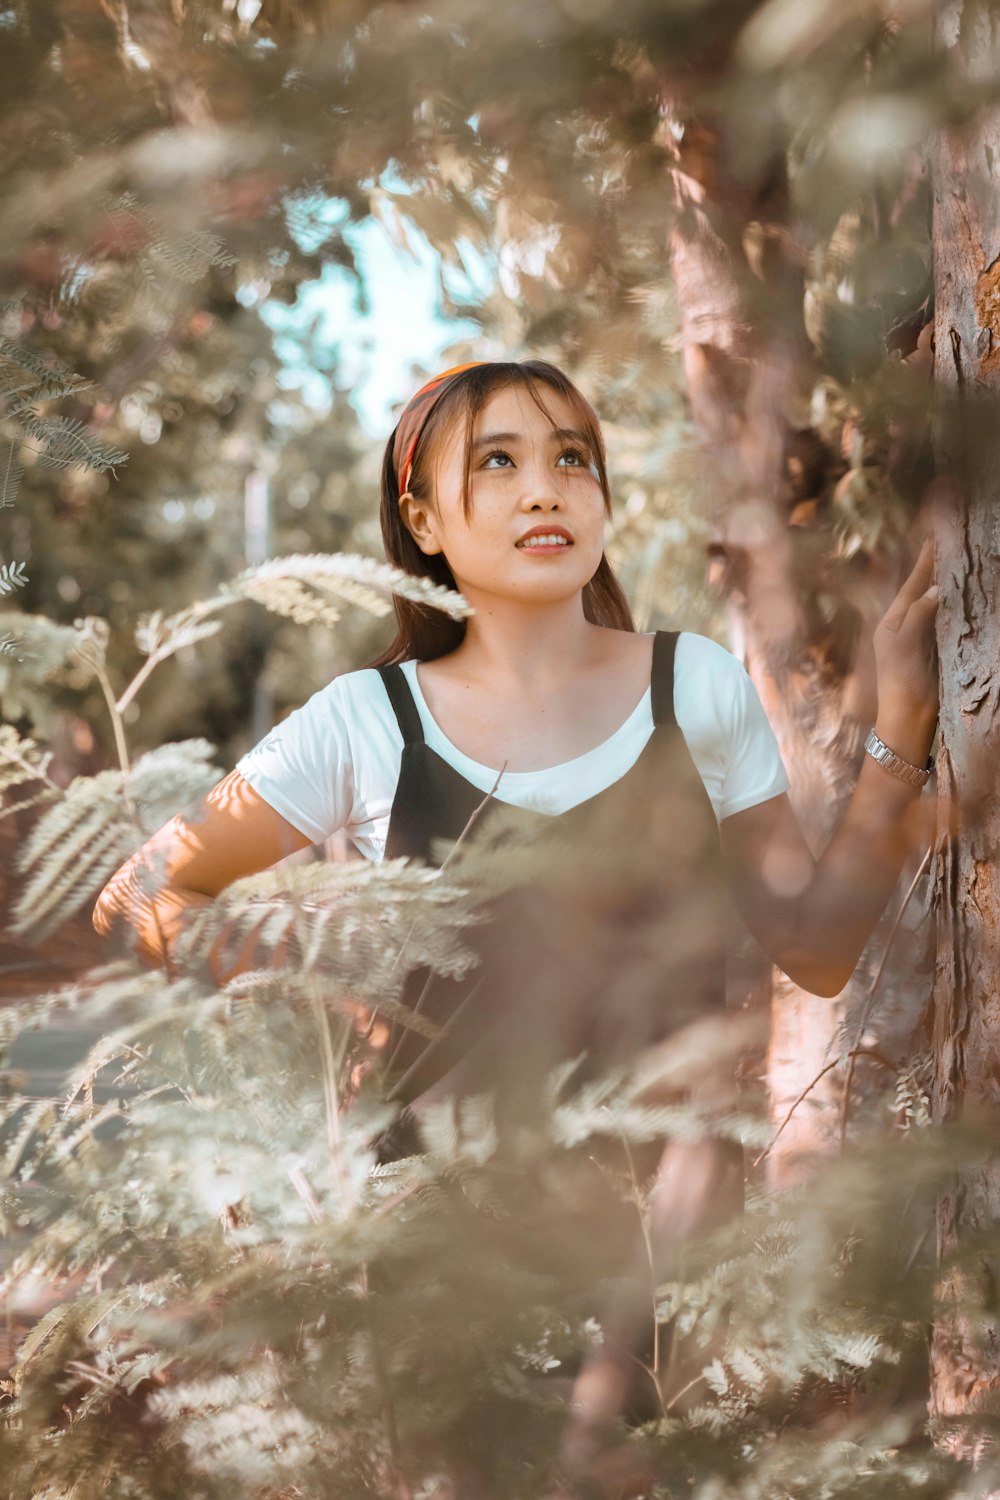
263, 1310
256, 1303
543, 142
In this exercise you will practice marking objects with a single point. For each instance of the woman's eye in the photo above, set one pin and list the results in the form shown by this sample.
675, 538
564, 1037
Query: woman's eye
581, 458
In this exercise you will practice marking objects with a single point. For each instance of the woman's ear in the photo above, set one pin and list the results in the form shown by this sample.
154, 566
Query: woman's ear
418, 519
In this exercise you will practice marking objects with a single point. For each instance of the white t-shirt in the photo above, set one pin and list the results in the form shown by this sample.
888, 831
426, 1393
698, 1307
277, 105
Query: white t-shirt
334, 762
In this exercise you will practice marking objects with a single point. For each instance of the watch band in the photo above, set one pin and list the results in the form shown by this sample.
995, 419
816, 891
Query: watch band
880, 751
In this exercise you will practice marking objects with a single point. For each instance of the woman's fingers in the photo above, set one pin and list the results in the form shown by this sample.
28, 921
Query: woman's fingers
914, 588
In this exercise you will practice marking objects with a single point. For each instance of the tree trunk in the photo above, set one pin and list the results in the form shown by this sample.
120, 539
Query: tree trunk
965, 1013
747, 363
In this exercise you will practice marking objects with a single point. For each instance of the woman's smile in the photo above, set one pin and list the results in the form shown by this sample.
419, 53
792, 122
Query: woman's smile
545, 541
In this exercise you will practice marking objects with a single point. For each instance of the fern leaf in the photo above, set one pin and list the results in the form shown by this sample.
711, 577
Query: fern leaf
87, 798
12, 576
190, 256
21, 760
34, 1117
78, 844
46, 647
11, 470
716, 1377
68, 443
156, 636
88, 856
346, 576
48, 375
748, 1369
41, 1333
167, 779
90, 645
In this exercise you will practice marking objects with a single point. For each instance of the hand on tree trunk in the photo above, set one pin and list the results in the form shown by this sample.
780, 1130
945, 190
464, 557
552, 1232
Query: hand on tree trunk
906, 662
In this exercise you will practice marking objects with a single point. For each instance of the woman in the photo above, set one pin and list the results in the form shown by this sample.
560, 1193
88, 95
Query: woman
547, 708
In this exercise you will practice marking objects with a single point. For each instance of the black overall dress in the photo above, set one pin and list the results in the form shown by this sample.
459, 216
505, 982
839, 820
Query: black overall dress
618, 941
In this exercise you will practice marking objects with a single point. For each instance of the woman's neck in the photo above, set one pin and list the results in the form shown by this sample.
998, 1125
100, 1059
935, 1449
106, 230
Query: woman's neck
528, 647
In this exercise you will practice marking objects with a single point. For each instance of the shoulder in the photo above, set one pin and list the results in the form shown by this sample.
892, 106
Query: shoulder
715, 701
348, 702
358, 689
360, 704
721, 715
708, 679
700, 653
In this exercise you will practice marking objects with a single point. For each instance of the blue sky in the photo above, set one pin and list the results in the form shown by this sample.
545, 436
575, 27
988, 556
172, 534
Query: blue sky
371, 353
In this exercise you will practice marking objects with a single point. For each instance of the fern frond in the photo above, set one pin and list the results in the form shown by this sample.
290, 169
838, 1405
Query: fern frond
46, 647
21, 761
73, 850
90, 645
12, 576
50, 378
68, 442
367, 924
343, 576
911, 1101
167, 779
293, 600
11, 470
161, 637
746, 1367
309, 589
40, 1333
190, 255
267, 984
88, 856
88, 799
32, 1120
582, 1118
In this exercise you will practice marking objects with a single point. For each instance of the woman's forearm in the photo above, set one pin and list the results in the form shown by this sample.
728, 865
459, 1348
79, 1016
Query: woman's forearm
159, 919
156, 918
858, 871
181, 868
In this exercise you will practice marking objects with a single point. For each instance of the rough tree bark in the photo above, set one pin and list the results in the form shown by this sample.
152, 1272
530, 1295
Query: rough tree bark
965, 1010
747, 361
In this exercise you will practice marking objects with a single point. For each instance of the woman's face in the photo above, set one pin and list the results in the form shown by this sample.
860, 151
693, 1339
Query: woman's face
525, 475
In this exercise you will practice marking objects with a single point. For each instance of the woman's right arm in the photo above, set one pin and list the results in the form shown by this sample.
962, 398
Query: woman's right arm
231, 832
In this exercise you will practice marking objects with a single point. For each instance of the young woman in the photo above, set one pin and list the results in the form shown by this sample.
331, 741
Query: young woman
547, 707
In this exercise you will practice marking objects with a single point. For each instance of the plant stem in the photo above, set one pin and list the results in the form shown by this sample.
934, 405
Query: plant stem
117, 725
871, 1052
845, 1102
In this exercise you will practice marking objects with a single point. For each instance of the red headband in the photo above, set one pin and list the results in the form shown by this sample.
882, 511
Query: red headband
414, 416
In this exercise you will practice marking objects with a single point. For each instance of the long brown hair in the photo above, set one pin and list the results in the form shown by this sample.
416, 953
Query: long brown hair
422, 631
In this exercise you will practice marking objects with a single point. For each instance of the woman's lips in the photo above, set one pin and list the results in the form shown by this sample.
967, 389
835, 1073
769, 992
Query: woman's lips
543, 544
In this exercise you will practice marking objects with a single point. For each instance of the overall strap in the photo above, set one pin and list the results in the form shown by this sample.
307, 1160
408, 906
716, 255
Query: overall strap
402, 702
662, 681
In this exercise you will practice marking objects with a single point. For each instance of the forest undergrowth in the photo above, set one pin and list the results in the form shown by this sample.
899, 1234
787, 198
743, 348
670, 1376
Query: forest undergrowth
254, 1305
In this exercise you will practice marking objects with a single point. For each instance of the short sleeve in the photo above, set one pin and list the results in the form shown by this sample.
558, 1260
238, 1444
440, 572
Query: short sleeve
754, 768
303, 768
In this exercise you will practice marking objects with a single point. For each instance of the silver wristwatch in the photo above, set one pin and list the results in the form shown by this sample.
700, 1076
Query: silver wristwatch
880, 751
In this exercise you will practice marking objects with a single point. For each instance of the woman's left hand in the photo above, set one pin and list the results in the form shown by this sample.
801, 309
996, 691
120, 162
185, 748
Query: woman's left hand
906, 650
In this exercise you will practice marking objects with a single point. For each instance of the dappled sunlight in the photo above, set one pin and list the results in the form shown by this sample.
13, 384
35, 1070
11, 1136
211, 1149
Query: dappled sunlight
421, 1124
186, 863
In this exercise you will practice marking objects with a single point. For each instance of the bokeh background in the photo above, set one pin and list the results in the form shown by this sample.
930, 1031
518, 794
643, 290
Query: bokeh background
762, 237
